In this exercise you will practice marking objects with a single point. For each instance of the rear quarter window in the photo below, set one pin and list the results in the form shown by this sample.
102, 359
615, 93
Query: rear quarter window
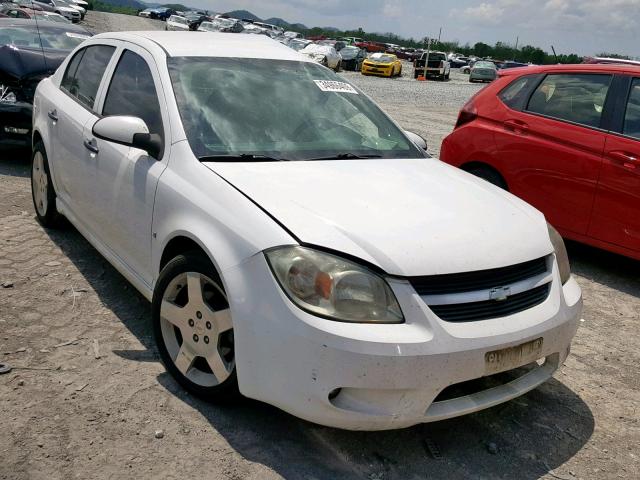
515, 94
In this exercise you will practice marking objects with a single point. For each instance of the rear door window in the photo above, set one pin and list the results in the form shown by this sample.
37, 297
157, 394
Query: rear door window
573, 97
631, 125
84, 73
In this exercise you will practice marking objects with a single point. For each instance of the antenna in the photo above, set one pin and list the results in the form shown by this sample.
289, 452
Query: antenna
35, 17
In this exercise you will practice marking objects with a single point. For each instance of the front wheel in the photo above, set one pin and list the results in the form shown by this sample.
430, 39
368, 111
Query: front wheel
42, 191
193, 328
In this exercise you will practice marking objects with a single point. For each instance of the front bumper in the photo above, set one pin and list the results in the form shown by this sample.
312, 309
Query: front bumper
15, 125
382, 71
387, 375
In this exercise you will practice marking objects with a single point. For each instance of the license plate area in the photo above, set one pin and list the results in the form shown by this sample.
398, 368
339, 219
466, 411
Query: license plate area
512, 357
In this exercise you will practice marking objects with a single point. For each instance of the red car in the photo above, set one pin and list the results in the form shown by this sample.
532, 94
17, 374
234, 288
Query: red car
371, 46
566, 139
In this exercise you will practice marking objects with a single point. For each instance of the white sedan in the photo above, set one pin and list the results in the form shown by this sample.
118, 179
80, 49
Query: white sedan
177, 23
323, 54
296, 245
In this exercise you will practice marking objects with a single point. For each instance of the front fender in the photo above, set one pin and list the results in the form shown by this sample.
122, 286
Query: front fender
194, 202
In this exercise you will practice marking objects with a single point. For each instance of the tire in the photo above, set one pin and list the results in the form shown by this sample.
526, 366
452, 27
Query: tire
415, 75
488, 174
447, 76
339, 66
42, 191
194, 331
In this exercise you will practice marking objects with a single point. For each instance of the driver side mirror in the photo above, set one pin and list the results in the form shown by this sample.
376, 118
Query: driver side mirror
129, 131
417, 140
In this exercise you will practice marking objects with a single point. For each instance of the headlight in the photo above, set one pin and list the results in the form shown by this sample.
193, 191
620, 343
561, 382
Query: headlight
561, 254
6, 95
333, 287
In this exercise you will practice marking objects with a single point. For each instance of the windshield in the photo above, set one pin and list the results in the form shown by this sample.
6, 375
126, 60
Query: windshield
296, 45
349, 52
51, 38
435, 56
484, 65
382, 58
282, 109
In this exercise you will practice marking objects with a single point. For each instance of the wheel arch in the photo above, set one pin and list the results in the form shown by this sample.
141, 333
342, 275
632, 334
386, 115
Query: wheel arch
180, 244
37, 137
476, 165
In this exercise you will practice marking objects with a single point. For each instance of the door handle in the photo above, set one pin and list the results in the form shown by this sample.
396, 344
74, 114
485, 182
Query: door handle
628, 160
516, 126
89, 145
53, 115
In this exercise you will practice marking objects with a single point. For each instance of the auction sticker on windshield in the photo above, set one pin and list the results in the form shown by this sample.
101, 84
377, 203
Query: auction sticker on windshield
333, 86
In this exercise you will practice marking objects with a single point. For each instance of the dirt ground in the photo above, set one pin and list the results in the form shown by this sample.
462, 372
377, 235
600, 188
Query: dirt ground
87, 393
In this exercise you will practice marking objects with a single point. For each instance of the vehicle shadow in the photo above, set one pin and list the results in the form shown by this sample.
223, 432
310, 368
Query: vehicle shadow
524, 438
615, 271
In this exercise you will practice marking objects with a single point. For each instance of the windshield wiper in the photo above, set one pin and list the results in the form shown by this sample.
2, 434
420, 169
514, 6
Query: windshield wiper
242, 157
345, 156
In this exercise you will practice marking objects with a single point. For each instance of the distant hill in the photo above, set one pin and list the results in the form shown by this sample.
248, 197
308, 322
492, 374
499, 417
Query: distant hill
244, 14
279, 22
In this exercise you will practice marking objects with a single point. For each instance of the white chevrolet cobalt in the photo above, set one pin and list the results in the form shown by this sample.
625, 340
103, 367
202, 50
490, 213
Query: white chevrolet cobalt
297, 246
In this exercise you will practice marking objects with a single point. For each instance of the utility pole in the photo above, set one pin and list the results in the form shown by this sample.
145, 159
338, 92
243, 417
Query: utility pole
439, 33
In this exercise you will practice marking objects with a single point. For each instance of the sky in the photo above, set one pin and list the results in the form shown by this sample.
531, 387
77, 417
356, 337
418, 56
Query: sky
585, 27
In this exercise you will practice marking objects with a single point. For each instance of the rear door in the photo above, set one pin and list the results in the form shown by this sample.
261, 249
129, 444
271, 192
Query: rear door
616, 213
72, 109
549, 147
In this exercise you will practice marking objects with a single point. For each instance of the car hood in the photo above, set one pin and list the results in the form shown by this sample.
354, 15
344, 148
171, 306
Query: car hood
407, 216
18, 63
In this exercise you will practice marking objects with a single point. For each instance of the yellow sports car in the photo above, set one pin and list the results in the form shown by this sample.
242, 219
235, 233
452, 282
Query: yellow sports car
383, 64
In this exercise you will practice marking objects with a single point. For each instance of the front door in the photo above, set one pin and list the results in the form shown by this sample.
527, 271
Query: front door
552, 150
616, 213
126, 178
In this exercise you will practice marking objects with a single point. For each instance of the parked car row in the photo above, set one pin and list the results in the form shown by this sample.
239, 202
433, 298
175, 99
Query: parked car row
29, 52
72, 10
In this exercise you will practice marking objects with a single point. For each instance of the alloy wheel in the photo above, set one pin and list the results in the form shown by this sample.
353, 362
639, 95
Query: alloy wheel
40, 184
197, 329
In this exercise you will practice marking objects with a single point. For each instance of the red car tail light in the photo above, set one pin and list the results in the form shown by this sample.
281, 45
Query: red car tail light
468, 114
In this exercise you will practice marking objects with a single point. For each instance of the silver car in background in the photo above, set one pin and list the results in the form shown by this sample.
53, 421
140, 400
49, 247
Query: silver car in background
483, 71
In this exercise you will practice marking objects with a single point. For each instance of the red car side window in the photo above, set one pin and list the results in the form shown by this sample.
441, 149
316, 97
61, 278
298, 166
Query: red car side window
574, 97
632, 114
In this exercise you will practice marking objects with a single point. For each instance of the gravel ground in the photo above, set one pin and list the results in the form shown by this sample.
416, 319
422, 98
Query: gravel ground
88, 395
99, 22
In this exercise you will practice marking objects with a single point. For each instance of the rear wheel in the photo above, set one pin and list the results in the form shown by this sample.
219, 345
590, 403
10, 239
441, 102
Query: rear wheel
488, 174
42, 191
193, 328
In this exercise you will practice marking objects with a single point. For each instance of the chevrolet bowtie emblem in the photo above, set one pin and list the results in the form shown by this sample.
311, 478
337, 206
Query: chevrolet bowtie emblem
499, 293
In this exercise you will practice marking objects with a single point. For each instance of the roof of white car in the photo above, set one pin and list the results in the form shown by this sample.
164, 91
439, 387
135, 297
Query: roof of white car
210, 44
